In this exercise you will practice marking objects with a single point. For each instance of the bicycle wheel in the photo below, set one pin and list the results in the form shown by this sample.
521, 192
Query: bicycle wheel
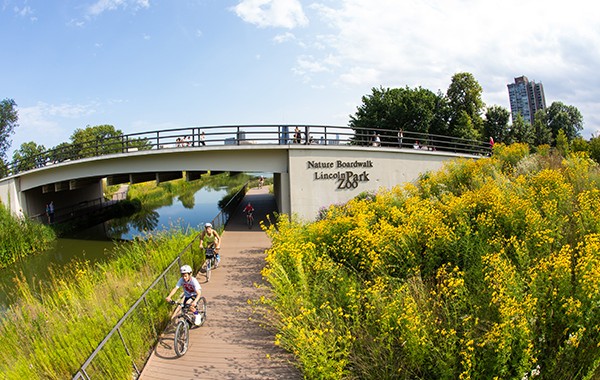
201, 306
182, 337
208, 269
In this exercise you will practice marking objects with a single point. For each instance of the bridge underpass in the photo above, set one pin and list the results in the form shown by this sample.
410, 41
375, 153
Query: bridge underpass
306, 177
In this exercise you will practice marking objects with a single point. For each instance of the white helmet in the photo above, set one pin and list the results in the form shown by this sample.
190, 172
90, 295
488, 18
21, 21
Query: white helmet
206, 225
186, 269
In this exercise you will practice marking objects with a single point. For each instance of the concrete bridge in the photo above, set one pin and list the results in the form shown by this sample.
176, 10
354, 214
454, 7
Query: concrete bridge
322, 165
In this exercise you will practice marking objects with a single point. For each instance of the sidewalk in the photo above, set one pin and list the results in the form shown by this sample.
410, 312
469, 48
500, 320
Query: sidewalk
233, 343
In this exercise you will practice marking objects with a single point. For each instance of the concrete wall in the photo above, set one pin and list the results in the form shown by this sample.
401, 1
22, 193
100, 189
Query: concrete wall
306, 177
10, 195
321, 177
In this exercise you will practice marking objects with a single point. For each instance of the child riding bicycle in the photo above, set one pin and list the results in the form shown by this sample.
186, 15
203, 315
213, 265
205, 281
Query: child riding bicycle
191, 288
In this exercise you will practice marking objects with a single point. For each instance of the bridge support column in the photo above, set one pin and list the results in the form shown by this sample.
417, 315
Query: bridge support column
281, 188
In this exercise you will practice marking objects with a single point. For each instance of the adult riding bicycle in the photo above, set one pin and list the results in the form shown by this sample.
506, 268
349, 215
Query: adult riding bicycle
249, 211
211, 261
187, 318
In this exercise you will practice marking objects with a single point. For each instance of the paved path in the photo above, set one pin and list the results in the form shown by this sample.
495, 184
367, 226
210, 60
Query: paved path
233, 343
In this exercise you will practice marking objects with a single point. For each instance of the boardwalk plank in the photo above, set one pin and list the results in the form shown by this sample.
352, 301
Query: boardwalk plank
232, 344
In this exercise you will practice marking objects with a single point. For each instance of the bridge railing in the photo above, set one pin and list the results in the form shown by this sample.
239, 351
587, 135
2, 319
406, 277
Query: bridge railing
198, 137
144, 308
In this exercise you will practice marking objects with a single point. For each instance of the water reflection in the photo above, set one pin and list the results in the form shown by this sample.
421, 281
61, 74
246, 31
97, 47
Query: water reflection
183, 212
96, 244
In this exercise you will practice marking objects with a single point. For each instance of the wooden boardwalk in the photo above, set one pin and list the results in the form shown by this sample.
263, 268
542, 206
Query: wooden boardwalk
234, 342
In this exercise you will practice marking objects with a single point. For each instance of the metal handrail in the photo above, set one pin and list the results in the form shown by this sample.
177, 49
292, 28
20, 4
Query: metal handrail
219, 221
191, 137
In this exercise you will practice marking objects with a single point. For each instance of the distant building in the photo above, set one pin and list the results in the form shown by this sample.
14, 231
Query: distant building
526, 98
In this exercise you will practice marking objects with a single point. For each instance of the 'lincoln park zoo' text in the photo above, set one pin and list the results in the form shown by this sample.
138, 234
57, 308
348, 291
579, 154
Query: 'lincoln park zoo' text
347, 173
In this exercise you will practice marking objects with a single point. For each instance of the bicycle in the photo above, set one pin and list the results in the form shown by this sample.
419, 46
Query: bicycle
210, 262
249, 219
186, 320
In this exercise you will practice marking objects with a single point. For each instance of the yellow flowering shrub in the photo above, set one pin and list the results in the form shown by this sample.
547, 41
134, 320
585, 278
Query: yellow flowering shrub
486, 269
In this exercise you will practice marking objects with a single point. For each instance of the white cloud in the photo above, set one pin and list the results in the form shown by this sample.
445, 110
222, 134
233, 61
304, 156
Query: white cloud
272, 13
26, 11
285, 37
101, 6
47, 120
23, 12
423, 43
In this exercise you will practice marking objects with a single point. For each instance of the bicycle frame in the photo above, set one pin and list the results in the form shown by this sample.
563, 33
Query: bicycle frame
249, 218
184, 321
210, 262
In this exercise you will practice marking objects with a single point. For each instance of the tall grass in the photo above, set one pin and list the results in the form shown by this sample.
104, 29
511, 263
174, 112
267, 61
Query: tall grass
52, 330
486, 269
20, 238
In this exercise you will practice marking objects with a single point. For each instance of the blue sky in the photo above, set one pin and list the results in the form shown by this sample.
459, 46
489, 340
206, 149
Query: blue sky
142, 65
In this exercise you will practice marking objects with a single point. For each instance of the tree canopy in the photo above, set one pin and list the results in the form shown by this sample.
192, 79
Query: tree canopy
495, 124
97, 140
568, 118
29, 156
464, 97
460, 112
8, 123
456, 113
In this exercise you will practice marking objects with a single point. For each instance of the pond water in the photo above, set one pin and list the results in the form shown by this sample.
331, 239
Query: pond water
95, 244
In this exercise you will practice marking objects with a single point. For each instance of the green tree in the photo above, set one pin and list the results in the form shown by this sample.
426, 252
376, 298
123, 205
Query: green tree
568, 118
8, 123
464, 96
594, 146
580, 145
412, 109
562, 143
521, 131
464, 127
440, 125
373, 110
394, 109
61, 152
29, 156
96, 141
542, 135
495, 124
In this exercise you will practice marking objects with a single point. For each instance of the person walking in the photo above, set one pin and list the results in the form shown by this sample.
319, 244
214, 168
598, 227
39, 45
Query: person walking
376, 139
50, 212
400, 137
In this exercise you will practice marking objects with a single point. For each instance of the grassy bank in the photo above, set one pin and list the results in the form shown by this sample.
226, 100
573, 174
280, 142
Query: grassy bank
20, 238
53, 330
487, 269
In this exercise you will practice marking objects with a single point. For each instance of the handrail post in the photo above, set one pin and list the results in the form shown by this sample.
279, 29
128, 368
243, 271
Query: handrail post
127, 351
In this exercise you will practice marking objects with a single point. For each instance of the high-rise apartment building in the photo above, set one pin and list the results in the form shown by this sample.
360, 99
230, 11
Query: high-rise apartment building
526, 98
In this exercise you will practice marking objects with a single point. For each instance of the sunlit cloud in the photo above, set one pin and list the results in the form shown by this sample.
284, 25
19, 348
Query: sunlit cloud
272, 13
102, 6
